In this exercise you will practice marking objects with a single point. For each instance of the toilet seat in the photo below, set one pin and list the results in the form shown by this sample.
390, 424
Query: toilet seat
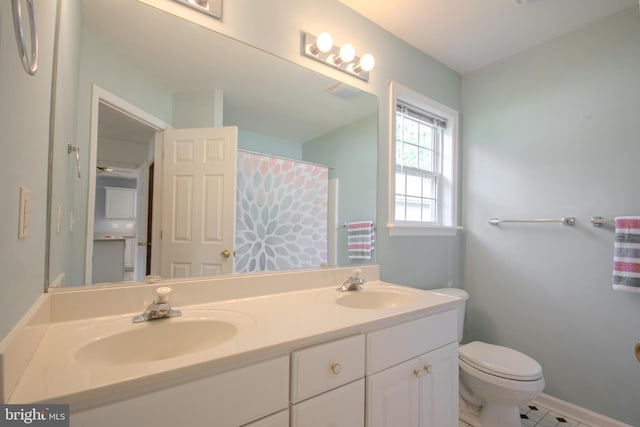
500, 361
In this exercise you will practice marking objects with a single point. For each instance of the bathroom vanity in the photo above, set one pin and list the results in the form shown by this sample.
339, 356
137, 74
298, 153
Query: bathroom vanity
282, 349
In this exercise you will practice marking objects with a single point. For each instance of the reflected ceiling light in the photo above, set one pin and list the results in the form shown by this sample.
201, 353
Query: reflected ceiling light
210, 7
322, 49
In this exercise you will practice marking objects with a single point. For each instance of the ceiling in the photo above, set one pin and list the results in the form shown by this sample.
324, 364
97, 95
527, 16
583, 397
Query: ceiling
469, 34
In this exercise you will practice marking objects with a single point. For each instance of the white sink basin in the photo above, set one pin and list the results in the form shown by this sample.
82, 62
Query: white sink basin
156, 340
375, 299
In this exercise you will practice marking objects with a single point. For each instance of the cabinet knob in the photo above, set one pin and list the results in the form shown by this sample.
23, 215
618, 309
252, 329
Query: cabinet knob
427, 368
417, 373
336, 368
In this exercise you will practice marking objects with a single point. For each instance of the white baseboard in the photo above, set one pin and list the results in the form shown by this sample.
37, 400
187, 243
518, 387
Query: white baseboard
577, 413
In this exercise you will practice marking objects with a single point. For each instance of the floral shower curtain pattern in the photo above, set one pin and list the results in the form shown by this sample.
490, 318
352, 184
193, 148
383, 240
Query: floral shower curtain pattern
281, 214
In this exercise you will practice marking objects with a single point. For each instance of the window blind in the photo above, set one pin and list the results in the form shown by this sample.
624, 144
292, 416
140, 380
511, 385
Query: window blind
418, 114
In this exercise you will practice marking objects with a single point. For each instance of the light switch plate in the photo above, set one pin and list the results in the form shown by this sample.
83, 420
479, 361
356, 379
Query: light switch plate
23, 218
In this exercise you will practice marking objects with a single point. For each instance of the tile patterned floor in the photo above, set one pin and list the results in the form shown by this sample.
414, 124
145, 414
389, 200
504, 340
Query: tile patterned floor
534, 415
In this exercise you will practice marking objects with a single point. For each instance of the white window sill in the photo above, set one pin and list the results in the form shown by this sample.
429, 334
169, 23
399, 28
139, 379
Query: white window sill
421, 230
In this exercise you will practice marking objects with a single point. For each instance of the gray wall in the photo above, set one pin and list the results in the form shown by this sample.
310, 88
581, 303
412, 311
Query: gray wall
554, 132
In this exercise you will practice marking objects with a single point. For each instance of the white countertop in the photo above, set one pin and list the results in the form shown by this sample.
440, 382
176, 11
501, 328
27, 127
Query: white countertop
268, 326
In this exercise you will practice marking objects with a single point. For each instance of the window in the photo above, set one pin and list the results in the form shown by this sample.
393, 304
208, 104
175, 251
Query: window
423, 156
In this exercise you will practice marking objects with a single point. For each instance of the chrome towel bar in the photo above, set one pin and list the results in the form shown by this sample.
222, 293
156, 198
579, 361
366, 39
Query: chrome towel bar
598, 221
567, 220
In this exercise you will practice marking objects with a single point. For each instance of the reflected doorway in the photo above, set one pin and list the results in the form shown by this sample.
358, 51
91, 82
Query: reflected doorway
121, 185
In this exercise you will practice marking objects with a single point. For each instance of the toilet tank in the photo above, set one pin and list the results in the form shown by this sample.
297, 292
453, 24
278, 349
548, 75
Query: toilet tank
460, 304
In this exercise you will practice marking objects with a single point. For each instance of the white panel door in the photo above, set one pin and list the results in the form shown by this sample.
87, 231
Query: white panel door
198, 201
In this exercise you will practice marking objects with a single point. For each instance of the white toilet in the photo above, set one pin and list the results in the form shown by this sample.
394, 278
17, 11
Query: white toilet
494, 380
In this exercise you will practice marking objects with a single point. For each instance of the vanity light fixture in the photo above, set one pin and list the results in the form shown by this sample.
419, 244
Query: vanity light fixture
322, 49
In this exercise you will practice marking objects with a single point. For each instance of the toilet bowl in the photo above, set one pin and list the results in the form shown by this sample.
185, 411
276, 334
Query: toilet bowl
494, 380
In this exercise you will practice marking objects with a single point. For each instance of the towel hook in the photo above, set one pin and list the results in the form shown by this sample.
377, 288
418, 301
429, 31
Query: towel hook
30, 64
75, 149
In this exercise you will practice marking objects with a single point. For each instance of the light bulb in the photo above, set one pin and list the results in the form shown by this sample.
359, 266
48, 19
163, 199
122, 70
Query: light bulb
367, 62
347, 53
324, 42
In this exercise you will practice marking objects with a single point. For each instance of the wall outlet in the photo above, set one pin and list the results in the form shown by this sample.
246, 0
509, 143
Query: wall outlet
23, 216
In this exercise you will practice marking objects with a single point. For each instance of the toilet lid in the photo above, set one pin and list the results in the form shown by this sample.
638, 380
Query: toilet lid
500, 361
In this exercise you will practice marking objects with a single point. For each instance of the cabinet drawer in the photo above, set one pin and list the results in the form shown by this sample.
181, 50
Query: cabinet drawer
342, 407
281, 419
228, 399
326, 366
390, 346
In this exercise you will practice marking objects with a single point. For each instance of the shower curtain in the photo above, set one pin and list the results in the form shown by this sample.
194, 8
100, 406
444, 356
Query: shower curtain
281, 214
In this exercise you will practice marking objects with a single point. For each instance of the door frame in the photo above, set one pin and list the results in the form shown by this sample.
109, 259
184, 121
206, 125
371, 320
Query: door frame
99, 95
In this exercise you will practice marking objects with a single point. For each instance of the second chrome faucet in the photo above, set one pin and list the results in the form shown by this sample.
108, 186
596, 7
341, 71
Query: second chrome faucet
353, 282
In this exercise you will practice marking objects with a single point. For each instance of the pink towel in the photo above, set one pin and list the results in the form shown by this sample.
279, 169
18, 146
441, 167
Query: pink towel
360, 239
626, 257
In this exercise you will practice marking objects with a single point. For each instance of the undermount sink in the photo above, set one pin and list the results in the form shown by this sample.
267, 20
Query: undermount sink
156, 340
374, 299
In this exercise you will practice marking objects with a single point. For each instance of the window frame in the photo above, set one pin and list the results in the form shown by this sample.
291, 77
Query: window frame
446, 223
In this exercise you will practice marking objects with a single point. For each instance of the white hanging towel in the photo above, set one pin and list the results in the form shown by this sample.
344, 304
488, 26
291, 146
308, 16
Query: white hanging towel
360, 239
626, 257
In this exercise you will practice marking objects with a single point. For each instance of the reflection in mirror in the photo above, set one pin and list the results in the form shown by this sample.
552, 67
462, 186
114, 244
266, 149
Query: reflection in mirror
130, 79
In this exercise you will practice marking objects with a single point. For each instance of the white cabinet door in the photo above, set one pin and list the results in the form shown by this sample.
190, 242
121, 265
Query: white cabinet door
129, 252
393, 396
342, 407
120, 203
420, 392
439, 387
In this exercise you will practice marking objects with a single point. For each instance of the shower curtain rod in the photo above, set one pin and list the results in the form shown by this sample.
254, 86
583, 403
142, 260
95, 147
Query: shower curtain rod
286, 158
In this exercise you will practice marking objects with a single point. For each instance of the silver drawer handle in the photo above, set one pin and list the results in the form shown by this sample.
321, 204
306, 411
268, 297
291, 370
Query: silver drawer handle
336, 368
30, 64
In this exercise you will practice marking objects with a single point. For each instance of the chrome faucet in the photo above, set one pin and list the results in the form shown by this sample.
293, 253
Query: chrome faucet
353, 282
159, 308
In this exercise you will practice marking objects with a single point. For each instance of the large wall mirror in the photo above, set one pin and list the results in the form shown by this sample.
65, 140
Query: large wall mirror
139, 93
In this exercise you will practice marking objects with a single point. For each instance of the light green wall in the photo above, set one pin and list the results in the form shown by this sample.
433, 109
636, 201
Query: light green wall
68, 63
420, 262
423, 262
553, 132
103, 67
353, 154
24, 120
259, 143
